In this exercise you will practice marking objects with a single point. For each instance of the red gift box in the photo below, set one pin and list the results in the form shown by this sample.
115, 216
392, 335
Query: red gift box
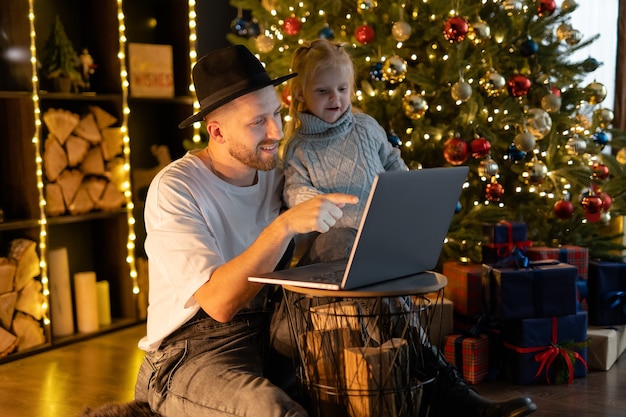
568, 254
469, 354
465, 287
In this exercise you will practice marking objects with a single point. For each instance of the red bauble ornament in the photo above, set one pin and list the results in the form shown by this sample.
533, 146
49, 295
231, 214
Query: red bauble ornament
494, 191
546, 7
455, 29
292, 26
592, 204
555, 91
455, 151
563, 209
606, 201
518, 85
364, 34
599, 171
480, 147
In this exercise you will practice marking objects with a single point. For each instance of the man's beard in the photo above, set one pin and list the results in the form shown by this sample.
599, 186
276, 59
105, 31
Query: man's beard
252, 158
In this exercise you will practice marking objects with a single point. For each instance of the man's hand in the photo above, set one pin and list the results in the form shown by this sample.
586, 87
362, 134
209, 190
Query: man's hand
318, 214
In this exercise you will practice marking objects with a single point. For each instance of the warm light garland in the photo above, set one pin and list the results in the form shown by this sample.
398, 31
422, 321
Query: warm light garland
130, 243
43, 230
193, 55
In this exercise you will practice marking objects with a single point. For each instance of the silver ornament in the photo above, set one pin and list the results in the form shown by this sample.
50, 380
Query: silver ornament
461, 91
524, 141
538, 122
576, 146
488, 168
536, 171
551, 103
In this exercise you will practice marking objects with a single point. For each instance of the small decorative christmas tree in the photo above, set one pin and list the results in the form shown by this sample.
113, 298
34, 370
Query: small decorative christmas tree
59, 59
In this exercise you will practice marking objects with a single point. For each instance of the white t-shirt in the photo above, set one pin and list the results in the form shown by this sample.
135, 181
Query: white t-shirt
196, 222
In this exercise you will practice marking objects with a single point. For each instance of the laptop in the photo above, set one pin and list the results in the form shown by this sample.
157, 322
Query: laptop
404, 224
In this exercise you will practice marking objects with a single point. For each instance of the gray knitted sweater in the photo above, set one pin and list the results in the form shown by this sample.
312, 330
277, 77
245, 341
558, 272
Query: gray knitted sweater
344, 157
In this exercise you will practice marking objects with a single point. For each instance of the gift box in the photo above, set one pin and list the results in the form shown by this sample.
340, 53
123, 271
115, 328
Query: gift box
606, 292
568, 254
500, 240
441, 325
549, 349
465, 287
606, 345
540, 290
469, 354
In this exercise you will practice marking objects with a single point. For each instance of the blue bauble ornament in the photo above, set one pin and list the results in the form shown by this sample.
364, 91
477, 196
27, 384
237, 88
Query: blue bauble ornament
394, 139
529, 48
600, 138
377, 72
590, 64
326, 33
458, 207
239, 26
515, 154
253, 29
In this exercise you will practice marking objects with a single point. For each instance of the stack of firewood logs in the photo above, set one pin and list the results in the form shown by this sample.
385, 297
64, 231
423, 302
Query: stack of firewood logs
21, 298
83, 162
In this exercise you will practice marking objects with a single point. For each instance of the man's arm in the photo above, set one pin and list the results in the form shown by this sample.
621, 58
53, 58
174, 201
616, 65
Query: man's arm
229, 290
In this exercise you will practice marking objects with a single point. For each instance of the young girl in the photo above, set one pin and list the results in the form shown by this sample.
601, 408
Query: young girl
329, 148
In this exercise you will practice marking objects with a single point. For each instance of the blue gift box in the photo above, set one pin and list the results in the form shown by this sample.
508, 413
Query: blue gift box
606, 293
499, 239
536, 349
543, 289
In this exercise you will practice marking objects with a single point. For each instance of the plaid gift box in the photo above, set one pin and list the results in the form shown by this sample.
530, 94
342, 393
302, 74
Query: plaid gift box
465, 287
500, 239
550, 349
544, 289
469, 354
606, 292
568, 254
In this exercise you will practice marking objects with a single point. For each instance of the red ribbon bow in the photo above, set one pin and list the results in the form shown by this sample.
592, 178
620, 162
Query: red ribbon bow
505, 249
547, 354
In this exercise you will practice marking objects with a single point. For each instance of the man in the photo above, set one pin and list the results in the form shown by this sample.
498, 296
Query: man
213, 218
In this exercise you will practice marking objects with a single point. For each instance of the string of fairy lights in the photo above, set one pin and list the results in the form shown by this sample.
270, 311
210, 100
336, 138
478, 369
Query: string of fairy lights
43, 230
125, 186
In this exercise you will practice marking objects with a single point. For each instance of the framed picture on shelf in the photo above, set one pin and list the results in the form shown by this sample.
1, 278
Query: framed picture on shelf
151, 71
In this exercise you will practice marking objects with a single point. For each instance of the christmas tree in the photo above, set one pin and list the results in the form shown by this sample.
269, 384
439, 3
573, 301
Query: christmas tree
59, 56
487, 84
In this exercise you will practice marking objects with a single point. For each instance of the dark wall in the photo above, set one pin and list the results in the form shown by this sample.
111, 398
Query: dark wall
213, 18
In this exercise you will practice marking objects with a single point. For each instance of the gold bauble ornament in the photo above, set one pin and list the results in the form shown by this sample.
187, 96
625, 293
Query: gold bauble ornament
366, 5
492, 83
264, 44
524, 141
535, 172
621, 156
394, 69
414, 106
563, 30
596, 92
574, 37
604, 117
401, 31
479, 31
461, 91
551, 103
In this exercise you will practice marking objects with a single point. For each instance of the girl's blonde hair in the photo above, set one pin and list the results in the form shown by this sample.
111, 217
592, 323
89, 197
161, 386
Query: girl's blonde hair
308, 59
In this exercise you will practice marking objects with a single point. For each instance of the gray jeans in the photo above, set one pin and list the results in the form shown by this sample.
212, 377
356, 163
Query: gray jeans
213, 369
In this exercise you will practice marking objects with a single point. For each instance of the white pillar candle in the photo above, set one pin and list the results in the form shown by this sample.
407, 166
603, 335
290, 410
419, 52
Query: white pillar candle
60, 293
86, 299
104, 303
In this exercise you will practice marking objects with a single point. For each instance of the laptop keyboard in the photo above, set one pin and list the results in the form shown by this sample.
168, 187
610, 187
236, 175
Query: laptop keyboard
330, 277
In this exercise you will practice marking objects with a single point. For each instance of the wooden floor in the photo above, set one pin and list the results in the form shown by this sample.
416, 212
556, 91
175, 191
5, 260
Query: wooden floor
62, 381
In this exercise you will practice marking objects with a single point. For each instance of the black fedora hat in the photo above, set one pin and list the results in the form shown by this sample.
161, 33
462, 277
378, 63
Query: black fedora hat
225, 74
